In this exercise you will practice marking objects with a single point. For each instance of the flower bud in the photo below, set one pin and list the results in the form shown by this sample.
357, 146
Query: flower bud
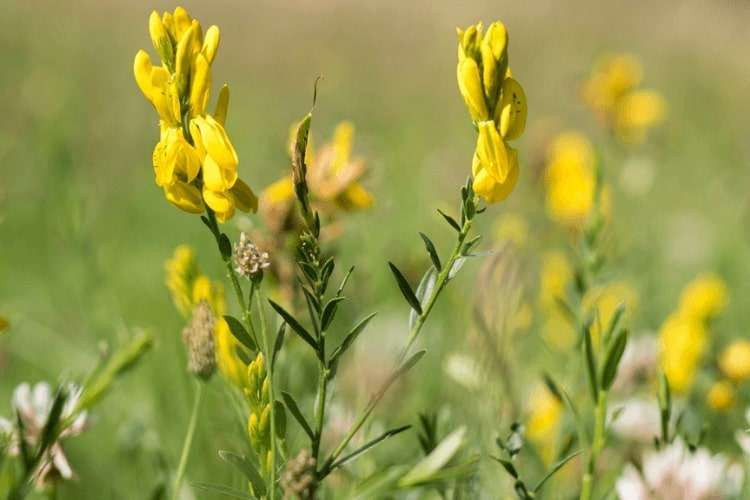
182, 21
470, 86
252, 430
210, 43
199, 85
511, 111
494, 52
491, 151
161, 40
222, 104
468, 41
183, 60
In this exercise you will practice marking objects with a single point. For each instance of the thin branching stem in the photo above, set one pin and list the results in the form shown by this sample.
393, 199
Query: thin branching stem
188, 442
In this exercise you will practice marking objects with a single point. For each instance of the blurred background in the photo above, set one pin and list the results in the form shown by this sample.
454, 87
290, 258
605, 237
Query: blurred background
85, 231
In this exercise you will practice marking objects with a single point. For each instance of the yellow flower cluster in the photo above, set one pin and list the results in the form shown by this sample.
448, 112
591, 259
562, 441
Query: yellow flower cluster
333, 179
497, 105
570, 180
684, 334
188, 288
613, 92
194, 161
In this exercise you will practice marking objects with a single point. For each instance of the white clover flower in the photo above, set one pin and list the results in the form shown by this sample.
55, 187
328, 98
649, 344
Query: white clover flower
249, 260
674, 472
33, 406
637, 420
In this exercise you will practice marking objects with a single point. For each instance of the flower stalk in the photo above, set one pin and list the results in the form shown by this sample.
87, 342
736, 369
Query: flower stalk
188, 441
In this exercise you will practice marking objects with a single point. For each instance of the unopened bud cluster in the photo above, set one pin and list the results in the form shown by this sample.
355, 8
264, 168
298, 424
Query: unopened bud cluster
257, 392
497, 105
198, 337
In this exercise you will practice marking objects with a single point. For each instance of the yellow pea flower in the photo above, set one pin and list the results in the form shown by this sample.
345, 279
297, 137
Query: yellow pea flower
493, 50
683, 342
511, 112
492, 152
734, 361
184, 196
721, 396
161, 39
570, 179
470, 86
543, 422
487, 186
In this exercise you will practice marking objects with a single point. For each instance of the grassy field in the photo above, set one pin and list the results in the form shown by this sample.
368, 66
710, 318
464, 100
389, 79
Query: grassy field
85, 232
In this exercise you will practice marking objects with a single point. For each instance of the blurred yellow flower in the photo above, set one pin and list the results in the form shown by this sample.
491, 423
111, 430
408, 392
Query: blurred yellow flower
613, 94
570, 180
734, 361
497, 105
704, 297
721, 396
554, 279
333, 178
188, 287
512, 227
605, 300
683, 342
194, 161
543, 420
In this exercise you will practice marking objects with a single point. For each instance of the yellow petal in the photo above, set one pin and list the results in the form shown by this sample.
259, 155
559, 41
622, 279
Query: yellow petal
217, 201
183, 60
222, 105
244, 198
492, 152
185, 197
280, 191
163, 170
200, 84
356, 196
470, 86
211, 43
182, 22
213, 176
168, 22
142, 70
512, 110
217, 143
492, 191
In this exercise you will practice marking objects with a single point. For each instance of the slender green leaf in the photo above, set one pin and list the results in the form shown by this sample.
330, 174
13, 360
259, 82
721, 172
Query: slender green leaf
614, 322
297, 414
51, 428
294, 325
556, 467
450, 220
367, 446
590, 360
344, 281
433, 462
329, 312
239, 332
405, 288
247, 468
612, 359
379, 484
507, 465
434, 257
423, 292
350, 338
453, 472
225, 247
278, 344
223, 490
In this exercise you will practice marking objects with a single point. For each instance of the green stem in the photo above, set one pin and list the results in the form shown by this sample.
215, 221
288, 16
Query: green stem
187, 444
269, 367
440, 283
597, 445
320, 408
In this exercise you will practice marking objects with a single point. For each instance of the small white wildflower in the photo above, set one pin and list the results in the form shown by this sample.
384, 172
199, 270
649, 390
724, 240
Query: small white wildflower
33, 406
675, 472
249, 260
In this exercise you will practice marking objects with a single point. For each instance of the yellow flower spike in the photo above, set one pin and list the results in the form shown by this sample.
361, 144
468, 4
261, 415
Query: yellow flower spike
203, 289
721, 396
492, 152
229, 364
161, 40
734, 361
252, 430
200, 85
211, 43
244, 197
222, 105
511, 112
470, 86
494, 54
182, 21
